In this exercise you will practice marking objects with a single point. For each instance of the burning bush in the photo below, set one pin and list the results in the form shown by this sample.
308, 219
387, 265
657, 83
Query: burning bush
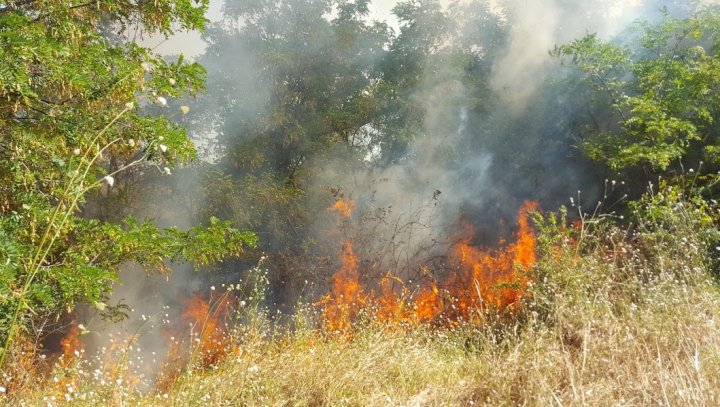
481, 279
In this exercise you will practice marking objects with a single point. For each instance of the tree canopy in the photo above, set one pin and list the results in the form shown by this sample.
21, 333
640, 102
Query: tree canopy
71, 86
661, 85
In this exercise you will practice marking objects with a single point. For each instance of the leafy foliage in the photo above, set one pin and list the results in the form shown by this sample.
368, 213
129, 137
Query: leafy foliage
68, 127
662, 86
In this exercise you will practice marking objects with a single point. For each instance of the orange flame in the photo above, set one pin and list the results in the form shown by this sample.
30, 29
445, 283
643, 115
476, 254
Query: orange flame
210, 340
428, 304
347, 295
344, 207
388, 306
207, 328
488, 277
485, 279
71, 346
69, 361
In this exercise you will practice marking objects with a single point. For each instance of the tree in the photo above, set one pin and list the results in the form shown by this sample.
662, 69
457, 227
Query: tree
298, 87
287, 86
662, 88
311, 78
69, 125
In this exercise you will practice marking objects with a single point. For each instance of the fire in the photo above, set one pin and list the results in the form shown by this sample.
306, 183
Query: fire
428, 304
347, 295
69, 361
210, 339
71, 346
344, 207
208, 331
389, 305
484, 279
488, 278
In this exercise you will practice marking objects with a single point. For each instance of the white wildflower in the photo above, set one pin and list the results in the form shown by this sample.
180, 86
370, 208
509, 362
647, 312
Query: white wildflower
212, 287
110, 180
171, 81
184, 109
163, 147
2, 389
100, 306
161, 100
129, 105
131, 143
145, 66
166, 170
161, 138
76, 151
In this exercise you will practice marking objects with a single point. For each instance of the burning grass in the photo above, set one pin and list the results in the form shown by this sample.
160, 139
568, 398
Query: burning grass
609, 317
483, 279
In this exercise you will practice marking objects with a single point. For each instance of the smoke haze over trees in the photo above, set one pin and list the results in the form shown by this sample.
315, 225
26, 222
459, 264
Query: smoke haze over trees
452, 114
456, 115
444, 120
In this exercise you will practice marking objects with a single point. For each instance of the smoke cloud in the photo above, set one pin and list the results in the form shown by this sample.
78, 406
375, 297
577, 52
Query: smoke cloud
474, 161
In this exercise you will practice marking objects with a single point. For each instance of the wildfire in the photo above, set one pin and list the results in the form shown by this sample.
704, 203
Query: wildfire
347, 295
210, 340
484, 279
71, 346
488, 277
428, 304
344, 207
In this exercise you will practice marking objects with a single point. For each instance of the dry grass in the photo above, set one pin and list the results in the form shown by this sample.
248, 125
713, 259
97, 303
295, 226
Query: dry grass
615, 321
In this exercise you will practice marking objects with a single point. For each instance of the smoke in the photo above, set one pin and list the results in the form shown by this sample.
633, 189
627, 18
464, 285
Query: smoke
480, 149
137, 347
538, 26
478, 165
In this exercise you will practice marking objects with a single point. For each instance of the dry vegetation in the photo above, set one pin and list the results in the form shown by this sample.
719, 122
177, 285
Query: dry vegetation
619, 317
